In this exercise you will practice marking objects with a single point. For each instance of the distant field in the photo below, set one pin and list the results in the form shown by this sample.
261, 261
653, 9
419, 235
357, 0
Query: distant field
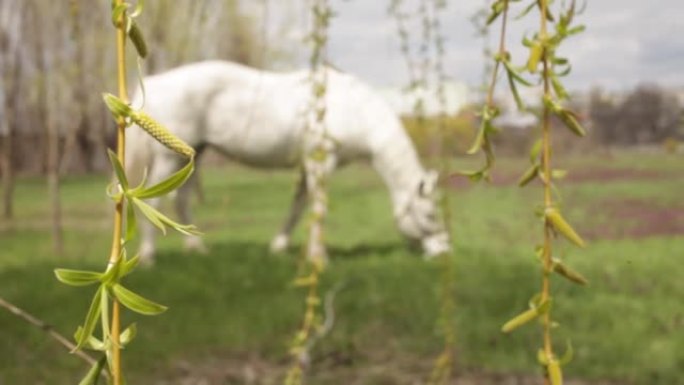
232, 312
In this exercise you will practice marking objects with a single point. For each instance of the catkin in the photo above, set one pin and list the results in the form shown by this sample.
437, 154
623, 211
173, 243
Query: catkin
151, 126
162, 134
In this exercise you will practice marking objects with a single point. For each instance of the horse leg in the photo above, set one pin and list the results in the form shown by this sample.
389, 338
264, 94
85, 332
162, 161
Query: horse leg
162, 167
282, 240
192, 242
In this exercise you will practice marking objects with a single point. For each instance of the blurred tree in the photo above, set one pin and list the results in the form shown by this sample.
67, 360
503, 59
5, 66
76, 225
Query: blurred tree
649, 114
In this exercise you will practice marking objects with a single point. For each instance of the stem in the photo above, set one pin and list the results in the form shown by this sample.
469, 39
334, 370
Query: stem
502, 51
119, 208
49, 329
546, 162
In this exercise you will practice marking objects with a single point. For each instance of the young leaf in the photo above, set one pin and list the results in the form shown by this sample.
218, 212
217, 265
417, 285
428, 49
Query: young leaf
93, 375
529, 175
160, 220
565, 271
541, 357
135, 302
558, 222
570, 121
136, 36
113, 271
91, 320
514, 90
117, 107
555, 374
479, 139
536, 150
77, 277
118, 169
520, 320
568, 355
92, 343
536, 51
128, 335
166, 186
150, 212
131, 222
129, 265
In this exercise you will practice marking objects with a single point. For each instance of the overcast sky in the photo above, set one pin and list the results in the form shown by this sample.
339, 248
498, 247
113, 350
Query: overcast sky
626, 42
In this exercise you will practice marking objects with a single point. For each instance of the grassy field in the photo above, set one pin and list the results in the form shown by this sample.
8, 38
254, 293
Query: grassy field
232, 312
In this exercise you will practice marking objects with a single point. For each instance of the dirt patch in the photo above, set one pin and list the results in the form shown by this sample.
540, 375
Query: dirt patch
633, 218
335, 370
500, 178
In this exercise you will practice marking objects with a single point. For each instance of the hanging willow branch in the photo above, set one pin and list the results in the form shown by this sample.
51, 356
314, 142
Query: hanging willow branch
110, 293
317, 148
542, 52
443, 366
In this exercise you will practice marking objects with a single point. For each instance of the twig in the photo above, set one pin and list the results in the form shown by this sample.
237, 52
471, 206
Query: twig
49, 329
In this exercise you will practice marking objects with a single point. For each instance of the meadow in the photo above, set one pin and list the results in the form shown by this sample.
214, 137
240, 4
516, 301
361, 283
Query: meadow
233, 311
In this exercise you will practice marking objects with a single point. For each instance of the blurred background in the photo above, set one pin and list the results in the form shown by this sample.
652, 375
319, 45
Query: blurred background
232, 311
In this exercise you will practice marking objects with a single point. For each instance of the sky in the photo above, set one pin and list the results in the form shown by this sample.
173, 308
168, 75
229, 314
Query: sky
627, 42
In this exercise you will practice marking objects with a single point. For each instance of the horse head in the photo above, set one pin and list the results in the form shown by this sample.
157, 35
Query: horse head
419, 218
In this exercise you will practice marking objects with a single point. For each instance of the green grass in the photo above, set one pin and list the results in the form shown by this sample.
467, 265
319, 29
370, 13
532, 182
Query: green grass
238, 301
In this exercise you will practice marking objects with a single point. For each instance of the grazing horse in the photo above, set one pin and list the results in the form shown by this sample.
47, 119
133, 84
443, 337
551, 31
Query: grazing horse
257, 118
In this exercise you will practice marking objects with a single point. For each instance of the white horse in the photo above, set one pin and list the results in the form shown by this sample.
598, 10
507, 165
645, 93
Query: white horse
257, 118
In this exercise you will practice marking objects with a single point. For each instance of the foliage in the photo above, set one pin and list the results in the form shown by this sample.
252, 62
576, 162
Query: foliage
543, 46
230, 309
316, 149
110, 292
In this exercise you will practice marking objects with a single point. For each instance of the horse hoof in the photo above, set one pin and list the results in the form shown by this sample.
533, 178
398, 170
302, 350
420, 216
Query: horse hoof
279, 244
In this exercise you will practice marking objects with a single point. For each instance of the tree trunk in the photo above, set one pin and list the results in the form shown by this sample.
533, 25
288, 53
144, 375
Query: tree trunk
7, 170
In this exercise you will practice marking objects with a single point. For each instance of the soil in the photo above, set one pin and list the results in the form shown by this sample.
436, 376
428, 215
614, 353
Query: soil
574, 176
635, 219
334, 370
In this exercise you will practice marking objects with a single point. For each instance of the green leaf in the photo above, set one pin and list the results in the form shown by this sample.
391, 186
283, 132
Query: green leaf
520, 320
93, 375
128, 335
131, 222
129, 265
135, 302
570, 121
529, 175
150, 213
541, 357
558, 88
118, 169
555, 373
562, 226
136, 36
513, 73
116, 106
568, 273
166, 186
112, 274
479, 139
77, 277
568, 355
90, 320
160, 220
558, 174
526, 10
536, 51
92, 343
536, 150
138, 8
118, 11
576, 30
514, 91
